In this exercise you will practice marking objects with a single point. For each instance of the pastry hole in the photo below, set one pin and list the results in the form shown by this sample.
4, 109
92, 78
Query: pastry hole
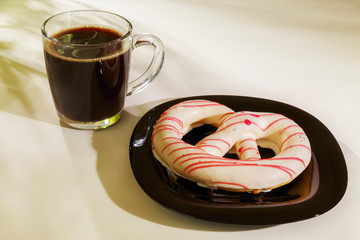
197, 134
266, 152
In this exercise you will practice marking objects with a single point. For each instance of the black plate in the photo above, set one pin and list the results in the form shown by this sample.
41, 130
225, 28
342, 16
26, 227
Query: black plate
318, 189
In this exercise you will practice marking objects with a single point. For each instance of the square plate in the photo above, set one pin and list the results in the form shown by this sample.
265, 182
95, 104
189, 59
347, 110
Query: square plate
318, 189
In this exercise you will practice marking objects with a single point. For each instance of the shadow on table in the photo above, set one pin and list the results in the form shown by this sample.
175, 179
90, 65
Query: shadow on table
115, 173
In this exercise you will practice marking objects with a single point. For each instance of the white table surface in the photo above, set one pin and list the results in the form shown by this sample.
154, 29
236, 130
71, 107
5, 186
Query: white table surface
60, 183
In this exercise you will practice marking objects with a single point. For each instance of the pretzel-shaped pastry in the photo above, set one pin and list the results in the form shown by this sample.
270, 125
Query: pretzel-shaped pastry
241, 132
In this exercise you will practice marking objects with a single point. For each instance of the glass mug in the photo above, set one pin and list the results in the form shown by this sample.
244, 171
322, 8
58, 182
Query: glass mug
87, 56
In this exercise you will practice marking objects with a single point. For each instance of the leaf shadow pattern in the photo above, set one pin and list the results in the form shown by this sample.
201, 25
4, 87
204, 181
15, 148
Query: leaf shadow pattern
23, 81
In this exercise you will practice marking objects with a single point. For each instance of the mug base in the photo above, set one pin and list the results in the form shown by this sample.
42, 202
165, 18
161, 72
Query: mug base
96, 125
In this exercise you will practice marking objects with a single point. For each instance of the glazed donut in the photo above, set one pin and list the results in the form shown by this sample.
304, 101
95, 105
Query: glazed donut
240, 132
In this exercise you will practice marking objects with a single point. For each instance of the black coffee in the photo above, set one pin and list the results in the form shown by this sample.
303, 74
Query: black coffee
86, 86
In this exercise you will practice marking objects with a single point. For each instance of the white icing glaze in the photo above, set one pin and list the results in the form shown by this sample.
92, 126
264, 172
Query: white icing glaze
241, 132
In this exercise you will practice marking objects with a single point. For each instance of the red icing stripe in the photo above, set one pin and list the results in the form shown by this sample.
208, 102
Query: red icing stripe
240, 114
236, 115
178, 121
222, 129
230, 183
285, 169
209, 145
163, 114
167, 138
179, 149
225, 160
297, 145
197, 101
168, 145
248, 122
292, 135
224, 115
248, 139
288, 128
247, 149
221, 164
216, 139
163, 129
289, 158
166, 126
191, 154
206, 104
227, 119
214, 164
277, 120
202, 105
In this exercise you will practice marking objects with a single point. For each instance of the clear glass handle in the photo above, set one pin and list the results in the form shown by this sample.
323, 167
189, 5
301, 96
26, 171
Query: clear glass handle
155, 65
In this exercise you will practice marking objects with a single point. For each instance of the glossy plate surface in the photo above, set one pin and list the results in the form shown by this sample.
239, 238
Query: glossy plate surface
318, 189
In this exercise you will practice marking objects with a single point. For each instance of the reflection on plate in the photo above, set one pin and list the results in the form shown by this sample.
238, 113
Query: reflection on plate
318, 189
